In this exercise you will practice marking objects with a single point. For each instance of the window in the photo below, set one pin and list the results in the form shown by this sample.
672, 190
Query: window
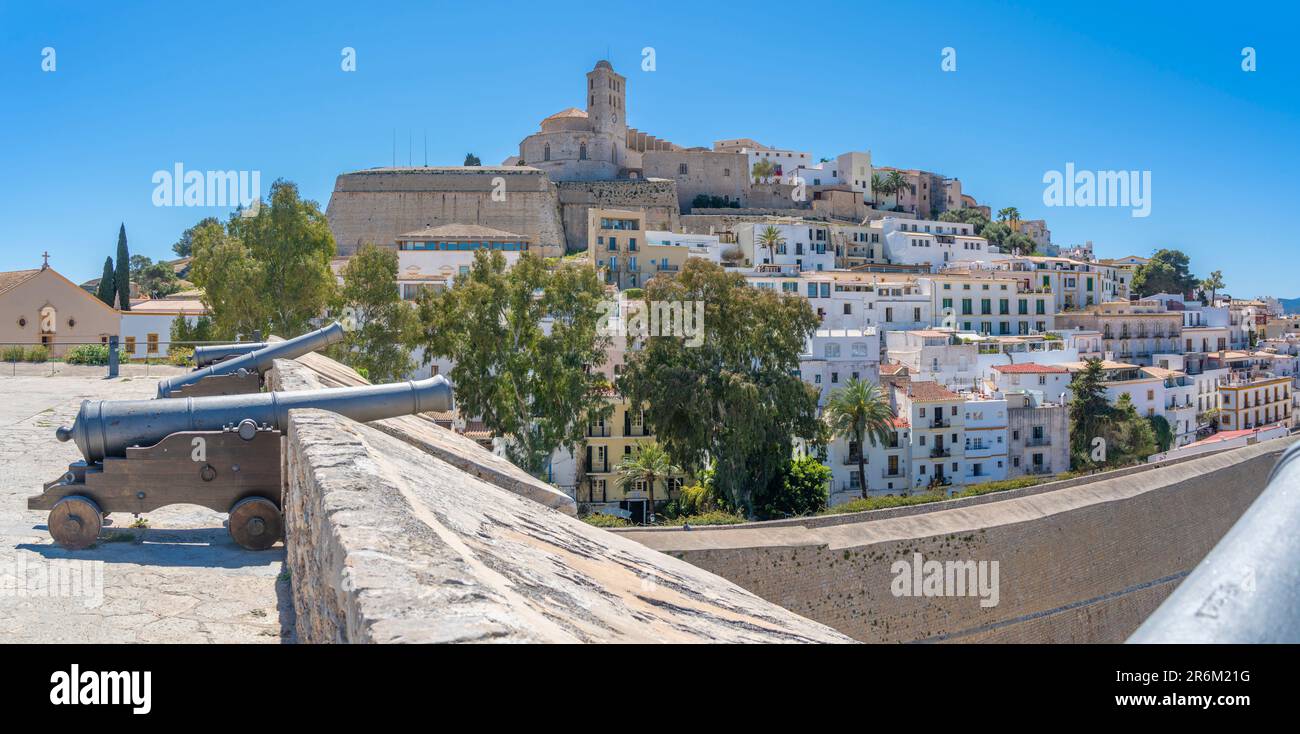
130, 344
546, 152
681, 169
152, 343
582, 151
848, 309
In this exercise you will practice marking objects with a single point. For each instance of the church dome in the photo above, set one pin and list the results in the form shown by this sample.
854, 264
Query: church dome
603, 64
570, 119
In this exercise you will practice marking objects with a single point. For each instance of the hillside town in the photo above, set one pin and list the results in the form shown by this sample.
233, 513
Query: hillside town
968, 329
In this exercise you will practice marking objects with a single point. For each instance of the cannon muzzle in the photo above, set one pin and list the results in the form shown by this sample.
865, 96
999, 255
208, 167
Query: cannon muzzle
259, 360
214, 353
105, 428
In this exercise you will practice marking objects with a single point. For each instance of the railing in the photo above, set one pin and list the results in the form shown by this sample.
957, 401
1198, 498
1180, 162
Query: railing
597, 431
937, 453
599, 468
1249, 580
1041, 441
43, 359
895, 474
851, 460
940, 423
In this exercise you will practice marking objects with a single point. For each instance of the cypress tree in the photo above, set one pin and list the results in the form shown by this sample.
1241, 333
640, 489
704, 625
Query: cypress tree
107, 284
123, 277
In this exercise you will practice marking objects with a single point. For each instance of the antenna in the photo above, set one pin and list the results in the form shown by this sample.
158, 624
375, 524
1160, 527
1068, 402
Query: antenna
410, 141
394, 147
426, 147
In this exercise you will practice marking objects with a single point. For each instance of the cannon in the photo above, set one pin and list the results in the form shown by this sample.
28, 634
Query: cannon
243, 374
214, 353
220, 452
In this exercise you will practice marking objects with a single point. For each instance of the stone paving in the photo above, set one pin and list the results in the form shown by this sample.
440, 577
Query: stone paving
180, 580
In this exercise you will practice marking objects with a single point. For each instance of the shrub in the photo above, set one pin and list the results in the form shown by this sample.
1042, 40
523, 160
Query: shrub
12, 354
93, 354
881, 503
713, 517
800, 488
181, 356
37, 353
601, 520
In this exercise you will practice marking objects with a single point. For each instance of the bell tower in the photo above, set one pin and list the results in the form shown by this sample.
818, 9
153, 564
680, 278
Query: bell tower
606, 95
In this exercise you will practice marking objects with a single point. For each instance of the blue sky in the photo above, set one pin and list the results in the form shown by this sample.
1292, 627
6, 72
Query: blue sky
141, 86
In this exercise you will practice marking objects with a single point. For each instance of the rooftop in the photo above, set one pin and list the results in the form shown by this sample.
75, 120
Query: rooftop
928, 392
1029, 368
460, 232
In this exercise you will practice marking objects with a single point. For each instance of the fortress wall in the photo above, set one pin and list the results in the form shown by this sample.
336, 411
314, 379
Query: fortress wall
1086, 563
707, 172
657, 197
388, 543
379, 204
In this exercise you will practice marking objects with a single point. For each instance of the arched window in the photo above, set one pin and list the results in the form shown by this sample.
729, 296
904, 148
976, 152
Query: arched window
546, 152
582, 151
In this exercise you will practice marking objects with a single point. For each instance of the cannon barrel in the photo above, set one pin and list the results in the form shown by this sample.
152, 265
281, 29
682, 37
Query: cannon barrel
213, 353
105, 428
260, 360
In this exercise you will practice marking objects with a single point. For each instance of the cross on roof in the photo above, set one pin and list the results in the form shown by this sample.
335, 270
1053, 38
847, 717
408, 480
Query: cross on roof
46, 264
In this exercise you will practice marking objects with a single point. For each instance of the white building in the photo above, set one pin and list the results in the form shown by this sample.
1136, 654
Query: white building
146, 329
985, 448
934, 243
803, 245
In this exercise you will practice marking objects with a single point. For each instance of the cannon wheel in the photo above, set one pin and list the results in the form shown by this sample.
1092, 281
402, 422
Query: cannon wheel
75, 522
255, 523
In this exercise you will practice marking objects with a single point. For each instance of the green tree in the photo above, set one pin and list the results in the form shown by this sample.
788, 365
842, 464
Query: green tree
860, 412
967, 215
763, 170
1088, 408
649, 464
184, 246
230, 277
1162, 431
1167, 271
157, 280
122, 278
381, 322
138, 264
472, 160
185, 334
770, 237
538, 390
1002, 236
107, 291
878, 186
1011, 216
734, 401
801, 487
897, 185
1213, 284
268, 272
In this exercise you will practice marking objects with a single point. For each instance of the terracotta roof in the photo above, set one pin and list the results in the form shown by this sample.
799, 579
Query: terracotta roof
167, 306
930, 392
1013, 369
15, 277
570, 112
460, 232
892, 369
901, 422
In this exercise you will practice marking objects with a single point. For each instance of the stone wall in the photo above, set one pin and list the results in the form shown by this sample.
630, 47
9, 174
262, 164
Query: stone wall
387, 543
1086, 562
706, 172
379, 204
657, 197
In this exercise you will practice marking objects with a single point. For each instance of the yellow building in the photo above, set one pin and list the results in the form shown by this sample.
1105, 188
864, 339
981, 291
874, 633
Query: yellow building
618, 249
1252, 401
620, 435
42, 308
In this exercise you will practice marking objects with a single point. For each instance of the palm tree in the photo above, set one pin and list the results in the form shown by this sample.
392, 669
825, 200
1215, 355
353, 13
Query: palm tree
1011, 216
878, 185
770, 238
1214, 283
649, 464
897, 184
860, 412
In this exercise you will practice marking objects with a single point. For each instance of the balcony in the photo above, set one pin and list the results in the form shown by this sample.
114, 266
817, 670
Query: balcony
939, 423
939, 453
598, 432
851, 460
599, 467
1040, 441
895, 474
